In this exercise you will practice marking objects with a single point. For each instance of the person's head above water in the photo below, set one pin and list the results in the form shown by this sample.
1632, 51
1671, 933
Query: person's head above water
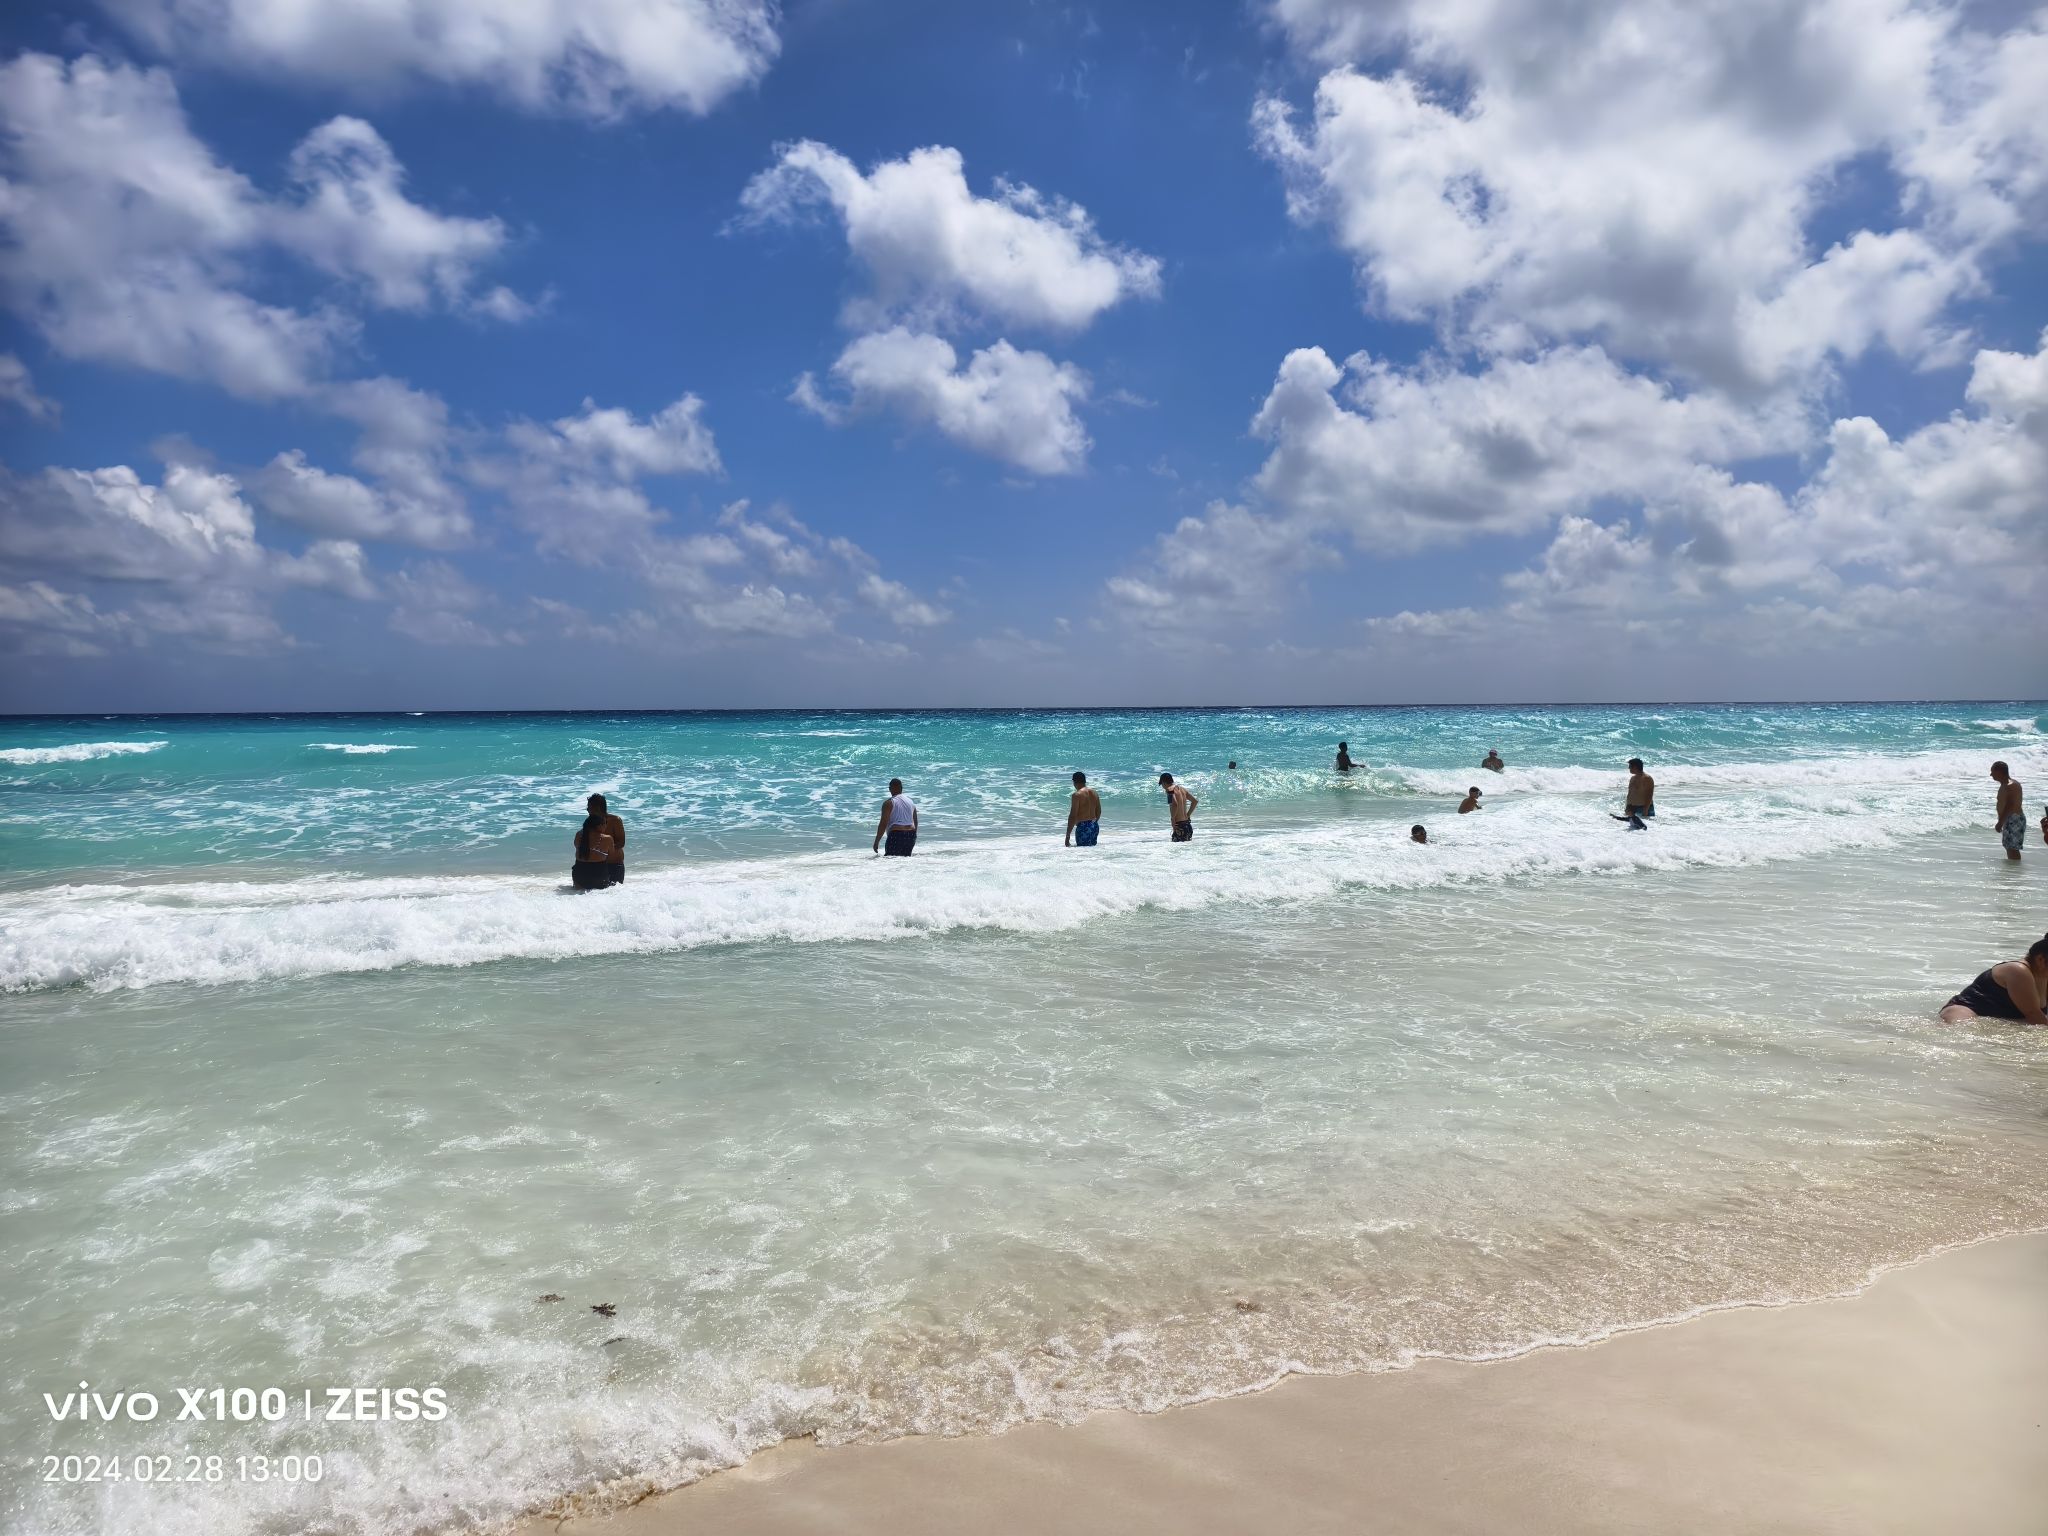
596, 805
1166, 781
1473, 791
1343, 746
1079, 779
2000, 772
1418, 834
1233, 765
895, 786
1635, 765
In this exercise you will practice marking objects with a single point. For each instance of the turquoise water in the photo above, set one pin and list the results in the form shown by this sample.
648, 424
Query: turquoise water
313, 1074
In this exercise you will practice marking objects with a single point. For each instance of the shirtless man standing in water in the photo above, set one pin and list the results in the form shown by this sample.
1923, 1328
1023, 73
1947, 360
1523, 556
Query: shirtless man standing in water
1084, 813
2009, 817
1641, 799
1180, 808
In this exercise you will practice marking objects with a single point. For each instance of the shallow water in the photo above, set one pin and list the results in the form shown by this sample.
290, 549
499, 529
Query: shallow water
314, 1078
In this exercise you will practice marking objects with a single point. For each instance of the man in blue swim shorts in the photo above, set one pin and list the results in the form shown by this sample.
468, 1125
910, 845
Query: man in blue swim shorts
1084, 814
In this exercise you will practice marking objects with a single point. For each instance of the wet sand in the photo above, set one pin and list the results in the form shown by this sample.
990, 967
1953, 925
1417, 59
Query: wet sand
1919, 1405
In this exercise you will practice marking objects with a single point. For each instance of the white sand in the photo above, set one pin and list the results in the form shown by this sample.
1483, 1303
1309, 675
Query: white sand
1918, 1406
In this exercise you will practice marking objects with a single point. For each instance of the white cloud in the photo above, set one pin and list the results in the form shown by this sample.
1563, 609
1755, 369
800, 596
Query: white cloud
18, 389
127, 241
1408, 457
38, 620
354, 221
436, 604
673, 441
1011, 405
934, 248
1647, 174
599, 58
761, 610
1226, 567
574, 482
188, 542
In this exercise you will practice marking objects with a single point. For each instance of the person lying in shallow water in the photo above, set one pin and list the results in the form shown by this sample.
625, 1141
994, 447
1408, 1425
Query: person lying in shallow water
2015, 990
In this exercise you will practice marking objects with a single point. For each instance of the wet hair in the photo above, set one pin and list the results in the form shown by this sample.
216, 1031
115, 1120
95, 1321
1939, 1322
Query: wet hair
1418, 828
1343, 746
895, 786
1233, 762
1636, 763
1474, 790
596, 805
1166, 778
1999, 767
1080, 778
2038, 950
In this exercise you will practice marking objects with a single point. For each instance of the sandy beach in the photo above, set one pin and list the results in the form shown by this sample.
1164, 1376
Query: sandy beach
1919, 1405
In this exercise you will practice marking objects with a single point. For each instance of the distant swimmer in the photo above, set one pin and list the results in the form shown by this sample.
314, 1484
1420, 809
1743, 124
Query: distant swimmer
2016, 990
1233, 765
898, 823
1084, 814
1418, 834
1641, 800
2009, 817
1493, 761
1180, 808
1471, 801
600, 848
1344, 763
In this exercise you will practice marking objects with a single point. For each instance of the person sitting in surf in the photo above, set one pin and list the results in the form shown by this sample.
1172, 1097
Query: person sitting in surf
1084, 814
1470, 803
1418, 833
600, 848
2014, 990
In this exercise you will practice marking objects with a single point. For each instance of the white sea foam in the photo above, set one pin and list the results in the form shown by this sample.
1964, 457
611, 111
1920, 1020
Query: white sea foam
110, 937
357, 748
76, 752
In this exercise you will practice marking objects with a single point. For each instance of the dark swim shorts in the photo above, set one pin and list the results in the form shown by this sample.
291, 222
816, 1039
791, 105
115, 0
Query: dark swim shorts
1085, 833
1183, 831
899, 842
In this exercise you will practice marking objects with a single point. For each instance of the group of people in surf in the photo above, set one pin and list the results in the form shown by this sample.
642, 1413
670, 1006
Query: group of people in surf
2015, 990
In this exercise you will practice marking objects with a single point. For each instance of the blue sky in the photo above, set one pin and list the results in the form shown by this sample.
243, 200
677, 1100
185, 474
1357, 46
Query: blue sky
648, 353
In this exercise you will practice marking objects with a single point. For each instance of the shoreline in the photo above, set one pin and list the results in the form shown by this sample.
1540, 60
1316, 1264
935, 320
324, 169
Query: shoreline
1913, 1403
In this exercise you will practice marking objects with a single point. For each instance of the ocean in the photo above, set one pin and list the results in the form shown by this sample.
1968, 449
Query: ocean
315, 1075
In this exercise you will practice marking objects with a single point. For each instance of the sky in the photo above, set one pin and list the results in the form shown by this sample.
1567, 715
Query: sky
501, 354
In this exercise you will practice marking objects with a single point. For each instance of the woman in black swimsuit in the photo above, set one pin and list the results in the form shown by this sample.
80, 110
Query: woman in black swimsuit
2016, 990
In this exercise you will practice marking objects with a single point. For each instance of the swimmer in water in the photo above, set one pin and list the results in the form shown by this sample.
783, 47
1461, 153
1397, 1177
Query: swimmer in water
2014, 990
1492, 760
2009, 816
1418, 834
1470, 803
1344, 763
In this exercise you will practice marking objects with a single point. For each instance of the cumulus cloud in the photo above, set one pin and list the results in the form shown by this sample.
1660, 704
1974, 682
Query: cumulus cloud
1647, 175
599, 58
127, 241
187, 544
1400, 458
934, 248
1225, 567
1011, 405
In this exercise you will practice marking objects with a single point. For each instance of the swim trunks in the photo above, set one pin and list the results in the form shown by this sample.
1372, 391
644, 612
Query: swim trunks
1641, 810
1183, 831
899, 843
1085, 833
2013, 832
1987, 998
